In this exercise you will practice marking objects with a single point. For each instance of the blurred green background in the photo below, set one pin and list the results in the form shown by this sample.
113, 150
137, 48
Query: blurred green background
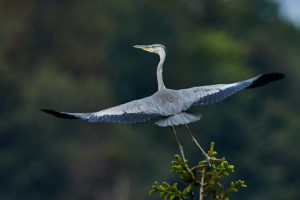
77, 56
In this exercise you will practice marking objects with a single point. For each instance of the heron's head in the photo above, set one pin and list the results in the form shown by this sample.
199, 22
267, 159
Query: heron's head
153, 48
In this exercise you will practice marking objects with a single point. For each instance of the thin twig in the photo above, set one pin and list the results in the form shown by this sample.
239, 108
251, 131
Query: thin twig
192, 194
205, 164
202, 183
214, 193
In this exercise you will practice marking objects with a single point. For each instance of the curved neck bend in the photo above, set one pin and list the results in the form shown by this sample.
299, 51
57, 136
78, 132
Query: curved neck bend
160, 82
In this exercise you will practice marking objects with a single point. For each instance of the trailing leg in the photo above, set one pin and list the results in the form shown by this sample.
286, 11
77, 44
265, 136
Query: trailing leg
194, 140
178, 143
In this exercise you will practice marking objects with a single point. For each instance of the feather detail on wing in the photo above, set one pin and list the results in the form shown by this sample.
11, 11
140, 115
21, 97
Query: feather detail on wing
204, 95
131, 112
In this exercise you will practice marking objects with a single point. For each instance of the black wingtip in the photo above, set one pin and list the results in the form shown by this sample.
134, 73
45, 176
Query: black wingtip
266, 78
58, 114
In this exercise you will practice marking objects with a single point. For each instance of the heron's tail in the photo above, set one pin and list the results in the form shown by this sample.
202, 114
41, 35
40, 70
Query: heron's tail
67, 115
178, 119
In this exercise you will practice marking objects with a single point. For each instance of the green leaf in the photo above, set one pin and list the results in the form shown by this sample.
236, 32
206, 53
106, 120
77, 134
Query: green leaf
214, 176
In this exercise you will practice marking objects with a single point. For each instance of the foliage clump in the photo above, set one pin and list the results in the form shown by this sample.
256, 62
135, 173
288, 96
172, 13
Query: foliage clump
206, 176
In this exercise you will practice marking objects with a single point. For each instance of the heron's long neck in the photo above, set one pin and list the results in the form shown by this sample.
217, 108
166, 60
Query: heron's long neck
159, 72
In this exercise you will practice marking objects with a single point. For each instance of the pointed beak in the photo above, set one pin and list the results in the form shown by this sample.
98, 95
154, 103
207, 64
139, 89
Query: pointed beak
144, 47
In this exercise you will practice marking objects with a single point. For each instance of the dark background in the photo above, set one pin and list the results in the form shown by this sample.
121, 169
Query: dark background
77, 56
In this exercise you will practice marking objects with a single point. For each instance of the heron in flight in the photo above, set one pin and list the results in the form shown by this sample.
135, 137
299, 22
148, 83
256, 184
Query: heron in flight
168, 104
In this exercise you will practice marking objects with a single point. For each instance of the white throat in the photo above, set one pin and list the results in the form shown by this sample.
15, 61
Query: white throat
160, 82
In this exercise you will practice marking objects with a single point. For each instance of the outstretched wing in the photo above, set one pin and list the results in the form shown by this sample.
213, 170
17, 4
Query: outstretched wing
204, 95
131, 112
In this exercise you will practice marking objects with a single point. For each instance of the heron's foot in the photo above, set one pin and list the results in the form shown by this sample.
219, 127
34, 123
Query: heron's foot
209, 160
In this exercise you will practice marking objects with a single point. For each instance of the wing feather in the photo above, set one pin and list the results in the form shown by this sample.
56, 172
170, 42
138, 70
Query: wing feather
204, 95
131, 112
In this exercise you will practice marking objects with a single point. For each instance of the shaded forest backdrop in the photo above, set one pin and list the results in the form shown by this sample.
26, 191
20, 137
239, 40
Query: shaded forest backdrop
77, 56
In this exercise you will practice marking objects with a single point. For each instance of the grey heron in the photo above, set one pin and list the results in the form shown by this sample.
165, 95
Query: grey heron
171, 105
